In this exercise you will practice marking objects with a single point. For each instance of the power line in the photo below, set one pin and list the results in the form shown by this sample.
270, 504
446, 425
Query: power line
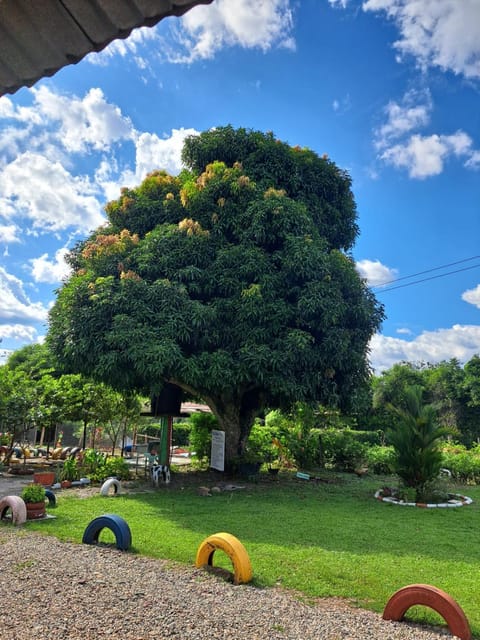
420, 273
441, 275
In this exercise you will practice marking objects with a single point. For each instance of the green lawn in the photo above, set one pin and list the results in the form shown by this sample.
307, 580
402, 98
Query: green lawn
319, 539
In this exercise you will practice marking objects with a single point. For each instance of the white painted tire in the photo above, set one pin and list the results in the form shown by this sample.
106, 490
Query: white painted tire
108, 484
17, 507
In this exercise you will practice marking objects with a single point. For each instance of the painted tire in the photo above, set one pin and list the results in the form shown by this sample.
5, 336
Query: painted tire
116, 524
242, 569
50, 496
436, 599
110, 482
17, 507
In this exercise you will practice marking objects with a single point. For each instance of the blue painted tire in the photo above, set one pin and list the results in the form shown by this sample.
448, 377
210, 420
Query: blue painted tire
50, 496
116, 524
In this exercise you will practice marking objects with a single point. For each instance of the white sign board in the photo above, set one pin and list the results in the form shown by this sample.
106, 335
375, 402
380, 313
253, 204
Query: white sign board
217, 456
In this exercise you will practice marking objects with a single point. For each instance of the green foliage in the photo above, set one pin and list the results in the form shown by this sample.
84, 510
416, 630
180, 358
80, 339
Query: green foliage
463, 463
181, 434
113, 467
70, 470
380, 459
260, 444
416, 440
33, 493
97, 466
232, 281
342, 449
92, 461
201, 433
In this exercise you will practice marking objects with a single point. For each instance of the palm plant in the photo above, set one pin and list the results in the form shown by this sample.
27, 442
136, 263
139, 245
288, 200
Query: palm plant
416, 440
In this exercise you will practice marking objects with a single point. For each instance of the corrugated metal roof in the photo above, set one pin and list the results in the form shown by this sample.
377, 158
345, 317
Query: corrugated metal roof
37, 38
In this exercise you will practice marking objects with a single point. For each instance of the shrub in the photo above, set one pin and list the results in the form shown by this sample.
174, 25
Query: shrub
380, 459
33, 493
260, 443
91, 461
463, 464
201, 433
181, 434
70, 470
416, 440
113, 467
342, 450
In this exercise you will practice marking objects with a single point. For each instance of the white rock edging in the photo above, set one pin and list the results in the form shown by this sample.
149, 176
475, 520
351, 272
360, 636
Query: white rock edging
456, 500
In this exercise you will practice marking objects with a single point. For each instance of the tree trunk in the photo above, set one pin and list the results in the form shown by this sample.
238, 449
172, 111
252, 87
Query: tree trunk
236, 417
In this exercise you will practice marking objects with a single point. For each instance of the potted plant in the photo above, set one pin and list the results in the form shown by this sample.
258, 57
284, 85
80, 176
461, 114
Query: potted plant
44, 477
34, 497
69, 473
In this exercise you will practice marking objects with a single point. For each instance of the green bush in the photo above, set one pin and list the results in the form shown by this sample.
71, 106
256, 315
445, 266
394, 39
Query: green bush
298, 439
463, 463
33, 493
304, 447
342, 450
380, 459
201, 433
260, 443
70, 470
181, 434
115, 467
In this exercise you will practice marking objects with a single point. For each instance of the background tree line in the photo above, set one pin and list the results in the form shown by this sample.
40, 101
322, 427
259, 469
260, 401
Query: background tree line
34, 394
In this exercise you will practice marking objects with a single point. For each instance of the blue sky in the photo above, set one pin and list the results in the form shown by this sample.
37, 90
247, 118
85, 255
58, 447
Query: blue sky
389, 89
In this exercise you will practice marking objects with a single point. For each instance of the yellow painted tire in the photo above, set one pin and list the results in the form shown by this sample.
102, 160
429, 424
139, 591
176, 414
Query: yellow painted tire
242, 569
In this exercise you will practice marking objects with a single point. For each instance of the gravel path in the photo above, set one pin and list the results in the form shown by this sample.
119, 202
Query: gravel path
55, 590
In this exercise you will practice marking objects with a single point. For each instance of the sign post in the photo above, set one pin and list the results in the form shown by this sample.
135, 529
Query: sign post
217, 456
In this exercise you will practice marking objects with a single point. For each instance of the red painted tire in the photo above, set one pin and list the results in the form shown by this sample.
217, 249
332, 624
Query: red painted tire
436, 599
17, 507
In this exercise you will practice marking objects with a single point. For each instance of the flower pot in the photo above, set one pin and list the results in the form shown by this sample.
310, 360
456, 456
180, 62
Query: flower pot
46, 478
35, 510
65, 484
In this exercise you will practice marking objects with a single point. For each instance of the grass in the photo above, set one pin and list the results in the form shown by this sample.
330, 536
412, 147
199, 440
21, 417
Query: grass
317, 539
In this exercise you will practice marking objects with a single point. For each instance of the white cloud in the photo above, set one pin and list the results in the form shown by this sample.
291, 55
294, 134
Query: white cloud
60, 122
44, 192
472, 296
460, 341
205, 30
90, 122
50, 271
129, 47
153, 152
375, 273
339, 3
18, 332
38, 150
421, 155
8, 233
424, 156
15, 305
440, 33
404, 331
413, 112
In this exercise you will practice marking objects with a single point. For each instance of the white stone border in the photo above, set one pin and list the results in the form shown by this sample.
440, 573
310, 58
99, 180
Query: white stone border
456, 500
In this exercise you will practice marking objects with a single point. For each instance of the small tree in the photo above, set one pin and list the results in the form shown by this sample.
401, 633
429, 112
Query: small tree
416, 439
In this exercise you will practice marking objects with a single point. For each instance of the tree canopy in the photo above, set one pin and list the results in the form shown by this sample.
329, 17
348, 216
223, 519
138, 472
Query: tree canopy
231, 281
